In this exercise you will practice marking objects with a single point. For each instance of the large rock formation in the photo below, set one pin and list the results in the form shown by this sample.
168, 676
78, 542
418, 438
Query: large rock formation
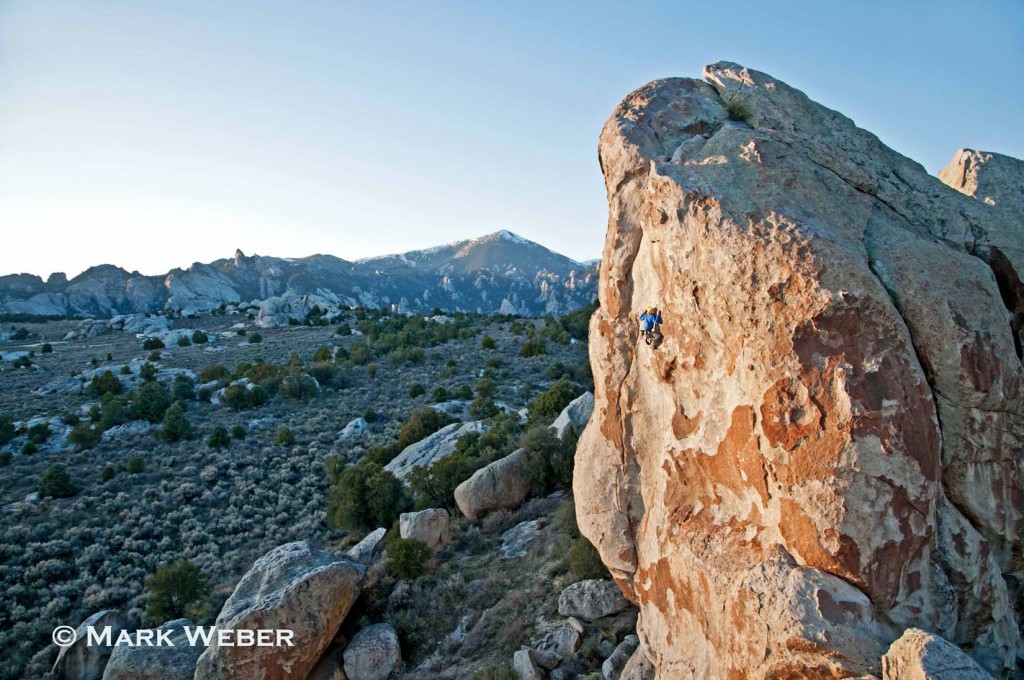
574, 416
827, 448
365, 551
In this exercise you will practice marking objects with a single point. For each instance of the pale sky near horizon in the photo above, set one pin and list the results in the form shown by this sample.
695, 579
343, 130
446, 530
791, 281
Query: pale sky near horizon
152, 135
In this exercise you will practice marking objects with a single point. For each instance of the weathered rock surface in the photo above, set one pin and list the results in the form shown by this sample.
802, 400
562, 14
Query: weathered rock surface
591, 600
133, 428
638, 667
365, 550
525, 667
82, 661
992, 178
355, 428
164, 662
431, 448
827, 448
918, 655
517, 541
292, 587
330, 667
373, 653
575, 415
612, 667
560, 639
427, 526
502, 484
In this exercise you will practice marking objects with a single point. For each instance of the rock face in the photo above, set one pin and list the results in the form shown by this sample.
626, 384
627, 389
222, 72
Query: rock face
827, 448
992, 178
291, 587
427, 526
163, 662
82, 661
918, 655
998, 182
502, 484
373, 653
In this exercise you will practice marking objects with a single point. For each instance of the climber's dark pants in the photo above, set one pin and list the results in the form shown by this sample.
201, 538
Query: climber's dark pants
653, 337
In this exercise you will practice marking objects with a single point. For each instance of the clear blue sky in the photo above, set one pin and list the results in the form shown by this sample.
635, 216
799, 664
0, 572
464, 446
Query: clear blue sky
154, 134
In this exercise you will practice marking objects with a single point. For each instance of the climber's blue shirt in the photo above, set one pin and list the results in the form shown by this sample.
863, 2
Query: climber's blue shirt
647, 321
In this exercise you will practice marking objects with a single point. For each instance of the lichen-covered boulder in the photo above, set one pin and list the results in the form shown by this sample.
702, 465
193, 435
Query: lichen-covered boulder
525, 667
431, 449
365, 550
373, 653
592, 599
176, 661
613, 666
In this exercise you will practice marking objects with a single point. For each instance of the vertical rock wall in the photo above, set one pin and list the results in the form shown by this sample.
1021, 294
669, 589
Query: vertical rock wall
827, 448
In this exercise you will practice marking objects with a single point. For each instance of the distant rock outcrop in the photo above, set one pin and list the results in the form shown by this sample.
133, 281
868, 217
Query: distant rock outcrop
355, 428
575, 416
827, 448
498, 273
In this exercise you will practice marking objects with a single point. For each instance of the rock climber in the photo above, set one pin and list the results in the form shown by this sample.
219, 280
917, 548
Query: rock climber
650, 322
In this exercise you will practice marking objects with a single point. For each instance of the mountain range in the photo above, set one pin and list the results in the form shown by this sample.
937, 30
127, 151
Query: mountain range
496, 273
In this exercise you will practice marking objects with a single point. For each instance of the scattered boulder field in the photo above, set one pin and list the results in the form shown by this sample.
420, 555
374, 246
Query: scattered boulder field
242, 490
312, 593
